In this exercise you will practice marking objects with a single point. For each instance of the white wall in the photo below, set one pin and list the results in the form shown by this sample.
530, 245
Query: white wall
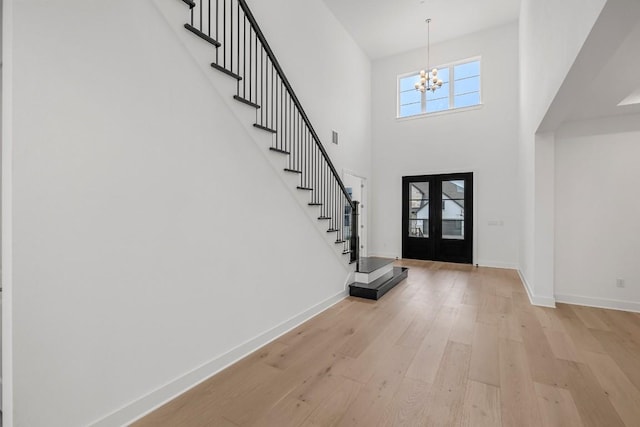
551, 34
597, 209
132, 265
483, 141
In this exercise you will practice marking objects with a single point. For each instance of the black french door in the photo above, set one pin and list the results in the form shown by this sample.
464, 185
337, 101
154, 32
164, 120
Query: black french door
437, 217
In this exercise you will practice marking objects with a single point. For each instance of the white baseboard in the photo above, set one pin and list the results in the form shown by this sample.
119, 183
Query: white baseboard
534, 299
496, 264
481, 263
384, 255
146, 404
612, 304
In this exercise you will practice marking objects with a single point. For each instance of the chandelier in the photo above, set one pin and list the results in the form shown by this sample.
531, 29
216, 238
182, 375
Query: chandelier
428, 79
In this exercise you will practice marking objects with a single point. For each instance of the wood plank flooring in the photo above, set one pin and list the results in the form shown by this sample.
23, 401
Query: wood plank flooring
452, 345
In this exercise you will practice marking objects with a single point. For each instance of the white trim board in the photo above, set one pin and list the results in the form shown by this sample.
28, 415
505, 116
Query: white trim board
495, 264
385, 255
536, 300
612, 304
150, 402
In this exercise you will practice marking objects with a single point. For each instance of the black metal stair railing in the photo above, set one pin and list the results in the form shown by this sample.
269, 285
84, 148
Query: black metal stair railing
243, 53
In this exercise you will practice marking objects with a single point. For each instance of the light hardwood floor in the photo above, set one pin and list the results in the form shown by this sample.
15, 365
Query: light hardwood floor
451, 345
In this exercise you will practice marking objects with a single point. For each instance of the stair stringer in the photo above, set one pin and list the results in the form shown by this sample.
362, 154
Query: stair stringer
203, 54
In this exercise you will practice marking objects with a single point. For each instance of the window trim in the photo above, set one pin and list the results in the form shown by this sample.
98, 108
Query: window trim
451, 109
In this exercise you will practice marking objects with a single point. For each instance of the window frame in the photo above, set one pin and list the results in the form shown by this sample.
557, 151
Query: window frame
451, 66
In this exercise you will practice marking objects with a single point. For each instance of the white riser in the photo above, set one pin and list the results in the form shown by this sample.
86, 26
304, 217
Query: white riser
374, 275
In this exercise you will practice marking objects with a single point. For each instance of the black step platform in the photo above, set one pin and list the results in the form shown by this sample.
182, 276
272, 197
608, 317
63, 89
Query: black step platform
380, 285
372, 263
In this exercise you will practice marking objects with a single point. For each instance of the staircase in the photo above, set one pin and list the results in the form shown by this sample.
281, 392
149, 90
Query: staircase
241, 52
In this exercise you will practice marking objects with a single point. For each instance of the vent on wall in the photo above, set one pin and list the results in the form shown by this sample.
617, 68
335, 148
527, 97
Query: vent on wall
334, 137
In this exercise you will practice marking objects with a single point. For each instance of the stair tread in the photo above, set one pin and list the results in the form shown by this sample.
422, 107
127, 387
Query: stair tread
258, 126
277, 150
324, 217
371, 264
246, 101
190, 3
292, 170
331, 230
315, 204
227, 72
305, 188
202, 35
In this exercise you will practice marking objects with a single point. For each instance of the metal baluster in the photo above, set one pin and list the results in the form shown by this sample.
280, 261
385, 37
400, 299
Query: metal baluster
333, 207
224, 31
289, 122
238, 41
281, 111
300, 145
250, 58
244, 59
300, 137
263, 77
325, 197
296, 156
285, 136
256, 70
340, 217
287, 144
217, 36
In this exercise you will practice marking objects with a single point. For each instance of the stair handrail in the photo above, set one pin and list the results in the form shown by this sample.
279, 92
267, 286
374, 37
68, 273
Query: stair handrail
294, 97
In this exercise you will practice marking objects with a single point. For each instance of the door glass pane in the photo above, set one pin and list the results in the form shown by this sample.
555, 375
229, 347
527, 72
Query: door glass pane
453, 209
419, 209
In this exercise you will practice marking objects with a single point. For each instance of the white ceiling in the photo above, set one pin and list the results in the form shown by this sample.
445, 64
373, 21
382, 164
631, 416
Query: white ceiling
388, 27
605, 73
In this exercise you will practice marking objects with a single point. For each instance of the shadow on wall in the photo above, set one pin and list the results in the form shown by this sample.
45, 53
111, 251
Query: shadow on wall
604, 126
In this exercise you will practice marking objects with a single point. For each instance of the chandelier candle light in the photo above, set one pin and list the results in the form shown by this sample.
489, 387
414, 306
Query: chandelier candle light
428, 79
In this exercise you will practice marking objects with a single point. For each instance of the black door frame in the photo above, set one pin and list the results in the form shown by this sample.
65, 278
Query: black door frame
435, 247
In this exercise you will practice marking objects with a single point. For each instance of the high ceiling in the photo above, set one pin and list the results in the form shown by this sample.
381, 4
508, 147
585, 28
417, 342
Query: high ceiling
387, 27
605, 74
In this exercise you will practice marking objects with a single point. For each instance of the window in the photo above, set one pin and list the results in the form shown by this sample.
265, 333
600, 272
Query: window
460, 89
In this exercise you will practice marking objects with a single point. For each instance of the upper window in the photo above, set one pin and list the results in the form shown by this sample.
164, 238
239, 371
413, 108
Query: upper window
460, 88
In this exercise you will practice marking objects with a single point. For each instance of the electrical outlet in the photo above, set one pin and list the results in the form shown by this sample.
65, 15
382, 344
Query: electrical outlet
620, 283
